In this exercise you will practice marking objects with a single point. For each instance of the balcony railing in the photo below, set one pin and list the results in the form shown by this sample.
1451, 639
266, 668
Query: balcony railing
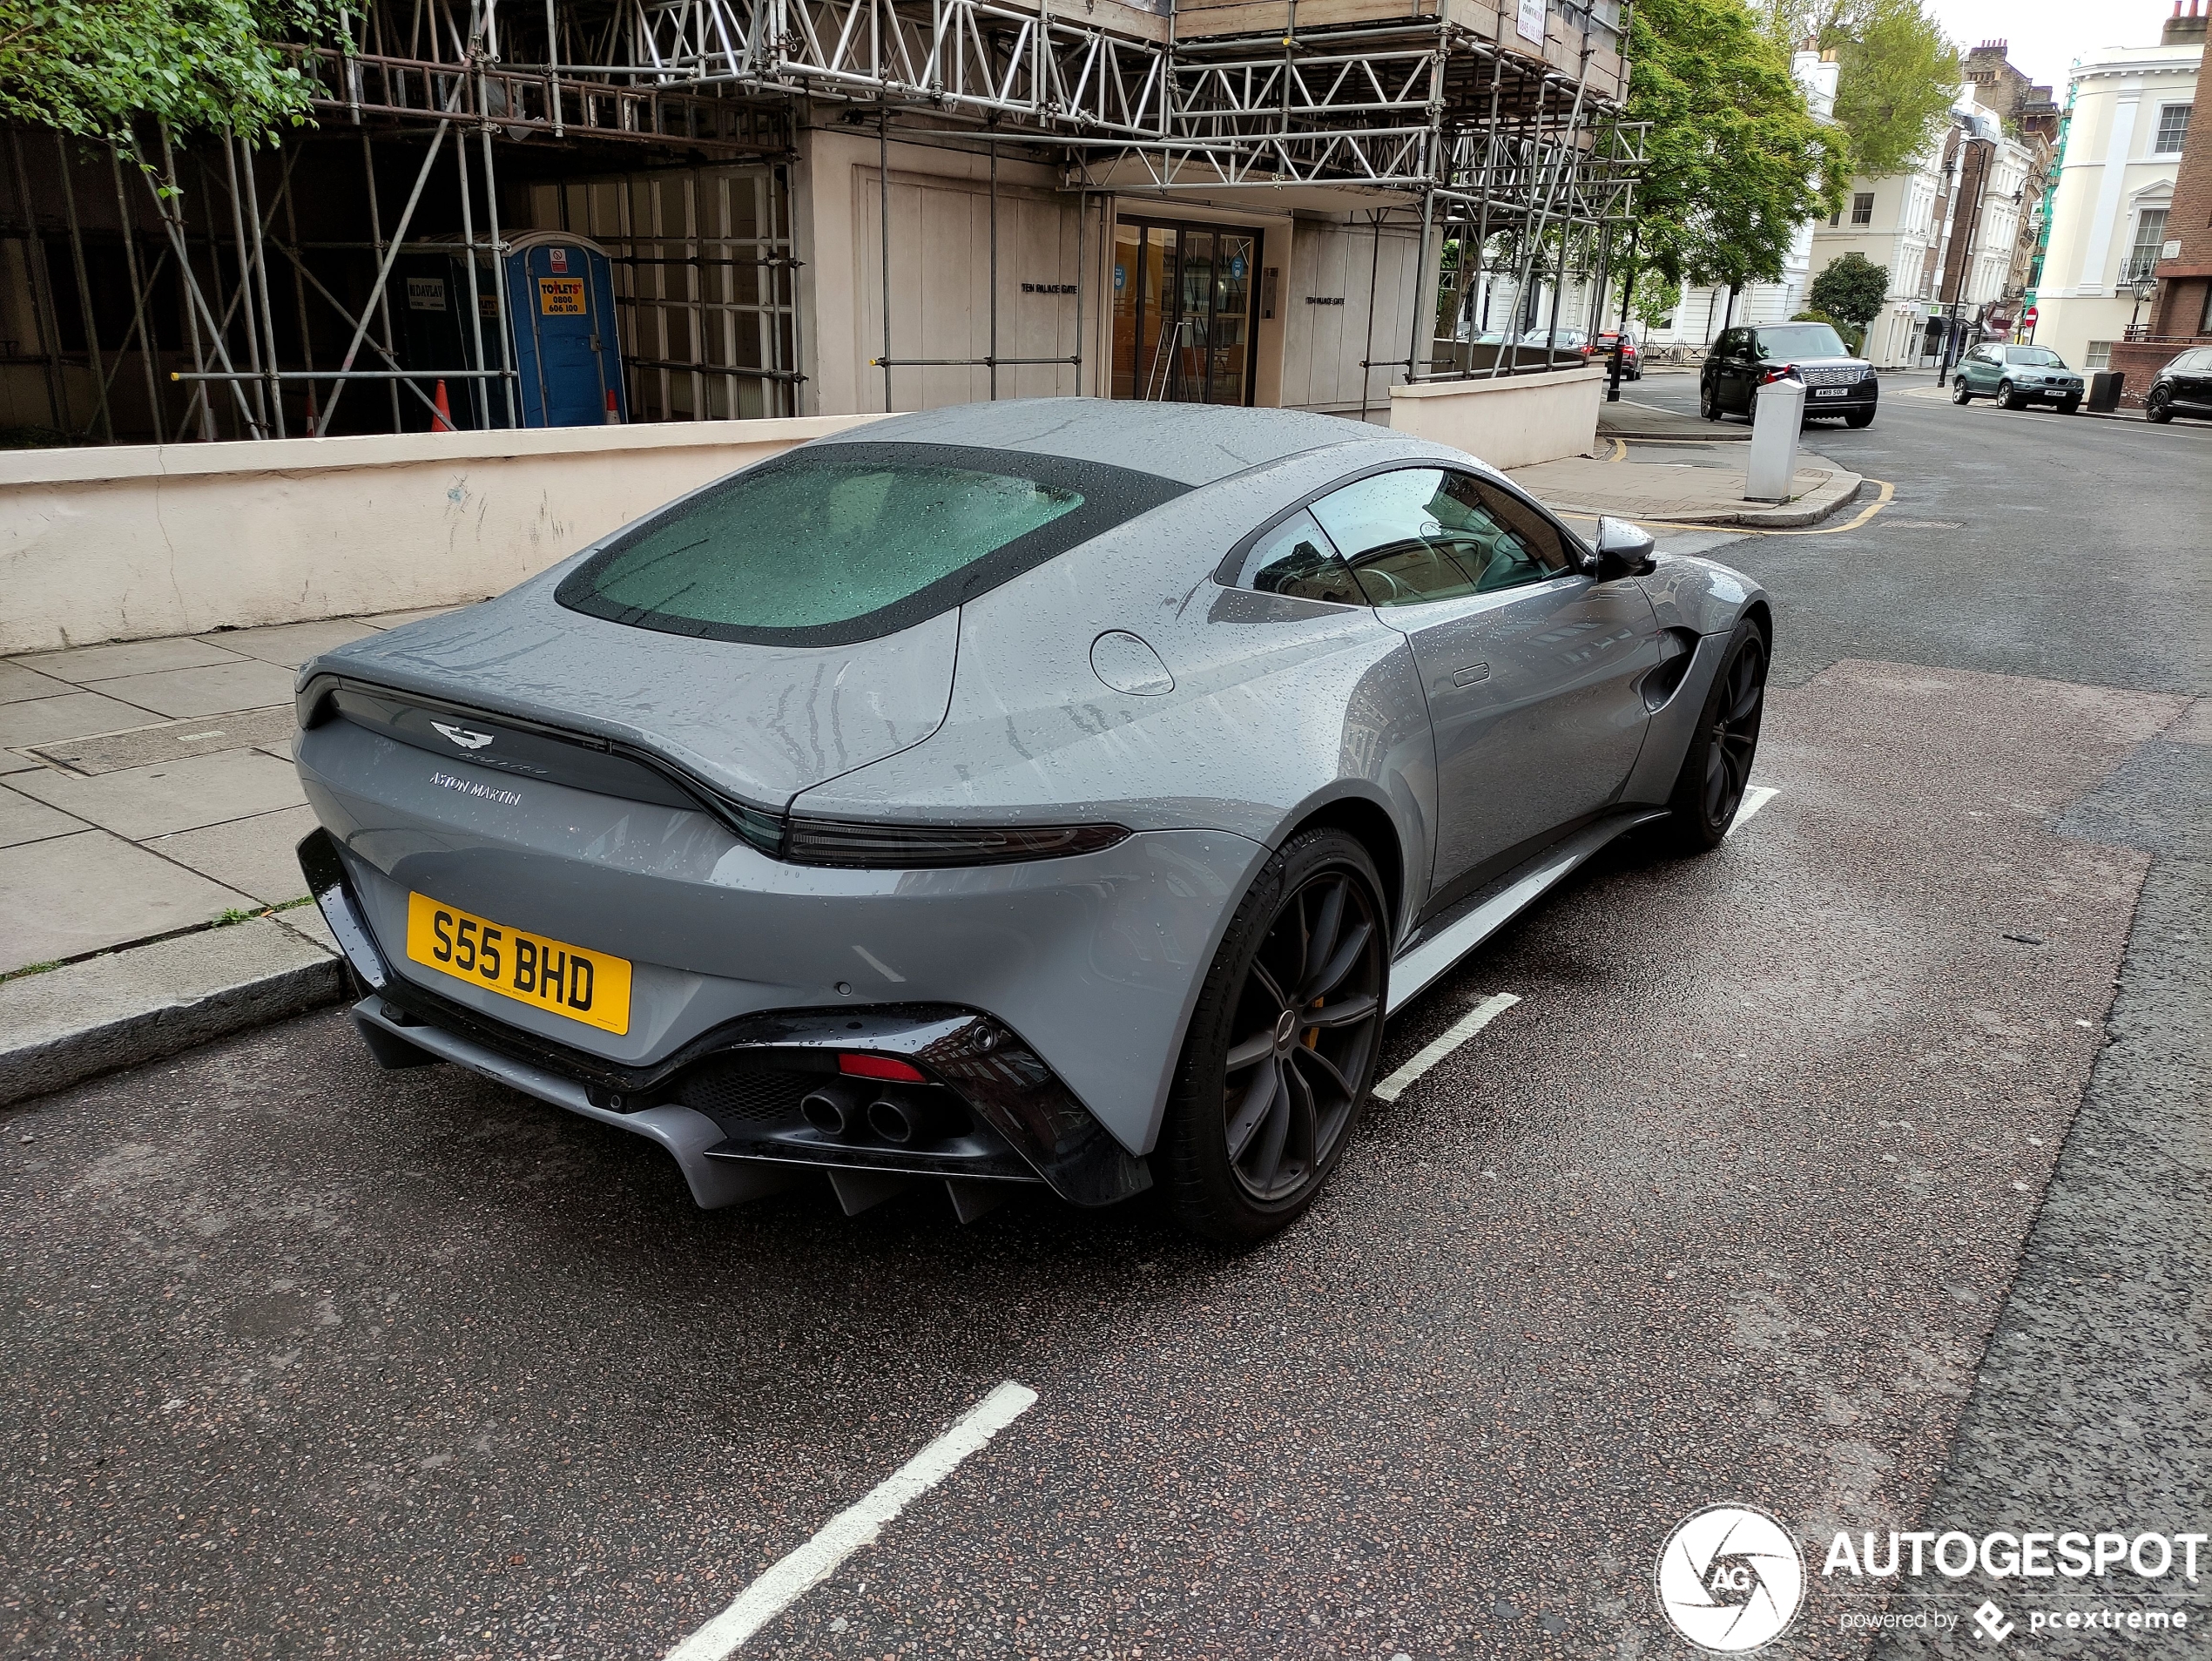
2140, 333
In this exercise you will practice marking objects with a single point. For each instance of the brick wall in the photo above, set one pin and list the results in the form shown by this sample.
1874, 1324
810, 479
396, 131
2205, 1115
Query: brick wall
2177, 315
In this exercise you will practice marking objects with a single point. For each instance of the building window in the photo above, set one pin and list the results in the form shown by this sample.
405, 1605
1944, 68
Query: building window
1862, 207
2150, 230
2173, 128
2099, 356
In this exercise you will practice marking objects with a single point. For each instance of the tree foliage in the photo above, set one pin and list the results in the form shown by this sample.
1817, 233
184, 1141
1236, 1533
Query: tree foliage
1898, 73
90, 67
1735, 161
1851, 287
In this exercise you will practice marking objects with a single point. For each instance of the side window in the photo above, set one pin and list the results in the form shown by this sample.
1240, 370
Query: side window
1424, 534
1388, 531
1505, 537
1298, 559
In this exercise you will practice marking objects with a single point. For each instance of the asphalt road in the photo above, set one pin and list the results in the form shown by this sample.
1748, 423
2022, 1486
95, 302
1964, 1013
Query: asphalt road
305, 1359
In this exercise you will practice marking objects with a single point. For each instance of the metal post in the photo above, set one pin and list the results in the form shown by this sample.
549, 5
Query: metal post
384, 270
137, 292
84, 286
262, 388
883, 203
381, 299
260, 276
298, 290
1374, 277
478, 403
499, 285
42, 300
994, 360
1424, 326
174, 223
1082, 225
192, 316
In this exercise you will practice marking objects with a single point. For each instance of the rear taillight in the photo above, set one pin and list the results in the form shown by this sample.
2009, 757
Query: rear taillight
893, 848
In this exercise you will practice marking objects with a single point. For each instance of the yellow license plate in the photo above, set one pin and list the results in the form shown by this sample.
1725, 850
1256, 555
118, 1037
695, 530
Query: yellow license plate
586, 986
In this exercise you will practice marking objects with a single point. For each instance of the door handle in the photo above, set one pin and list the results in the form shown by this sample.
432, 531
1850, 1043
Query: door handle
1471, 674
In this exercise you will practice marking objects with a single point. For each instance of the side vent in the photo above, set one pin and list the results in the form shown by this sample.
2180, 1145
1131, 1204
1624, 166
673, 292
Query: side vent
1676, 647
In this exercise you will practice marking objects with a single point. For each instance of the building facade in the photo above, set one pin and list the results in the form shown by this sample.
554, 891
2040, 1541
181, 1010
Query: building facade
2128, 111
1957, 231
2179, 315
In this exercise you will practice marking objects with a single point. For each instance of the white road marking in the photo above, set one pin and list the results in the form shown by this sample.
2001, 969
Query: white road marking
783, 1584
1753, 798
1460, 1031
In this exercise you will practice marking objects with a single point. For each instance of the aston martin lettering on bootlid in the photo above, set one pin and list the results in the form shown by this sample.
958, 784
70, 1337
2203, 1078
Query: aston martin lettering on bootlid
462, 736
470, 787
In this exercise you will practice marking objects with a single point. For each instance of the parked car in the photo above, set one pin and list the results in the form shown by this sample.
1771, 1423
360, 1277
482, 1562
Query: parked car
2015, 376
1054, 794
1743, 360
1560, 341
2182, 388
1631, 355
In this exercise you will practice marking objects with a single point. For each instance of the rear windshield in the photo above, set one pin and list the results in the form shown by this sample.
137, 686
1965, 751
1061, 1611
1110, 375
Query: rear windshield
1801, 340
836, 542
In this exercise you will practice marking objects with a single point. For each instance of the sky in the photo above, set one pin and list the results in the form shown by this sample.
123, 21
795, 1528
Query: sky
2047, 35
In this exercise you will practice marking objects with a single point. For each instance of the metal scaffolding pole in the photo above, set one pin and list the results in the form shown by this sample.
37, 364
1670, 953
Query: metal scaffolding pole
259, 277
42, 298
138, 288
84, 287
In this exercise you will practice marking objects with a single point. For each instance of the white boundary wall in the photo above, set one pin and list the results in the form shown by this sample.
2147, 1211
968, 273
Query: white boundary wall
130, 543
1515, 421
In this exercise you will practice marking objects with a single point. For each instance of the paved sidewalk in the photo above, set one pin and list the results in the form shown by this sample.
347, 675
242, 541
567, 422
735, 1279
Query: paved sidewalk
148, 814
1685, 483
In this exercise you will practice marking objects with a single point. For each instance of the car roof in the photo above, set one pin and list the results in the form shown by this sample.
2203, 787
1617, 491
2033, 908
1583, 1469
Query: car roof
1192, 444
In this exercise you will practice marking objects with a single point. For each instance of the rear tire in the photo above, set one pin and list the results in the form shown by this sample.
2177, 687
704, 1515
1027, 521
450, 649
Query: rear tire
1717, 768
1958, 393
1708, 402
2159, 406
1283, 1044
1859, 418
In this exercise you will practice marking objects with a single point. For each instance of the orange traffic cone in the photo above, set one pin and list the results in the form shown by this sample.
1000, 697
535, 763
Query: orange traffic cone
442, 421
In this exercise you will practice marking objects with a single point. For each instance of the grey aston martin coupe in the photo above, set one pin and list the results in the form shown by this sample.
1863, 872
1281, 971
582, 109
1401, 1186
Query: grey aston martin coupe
1044, 792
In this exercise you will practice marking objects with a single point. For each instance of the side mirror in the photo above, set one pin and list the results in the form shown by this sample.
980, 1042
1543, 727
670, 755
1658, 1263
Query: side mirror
1623, 550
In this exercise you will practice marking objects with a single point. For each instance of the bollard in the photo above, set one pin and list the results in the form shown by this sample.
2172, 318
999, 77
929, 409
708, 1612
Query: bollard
1777, 416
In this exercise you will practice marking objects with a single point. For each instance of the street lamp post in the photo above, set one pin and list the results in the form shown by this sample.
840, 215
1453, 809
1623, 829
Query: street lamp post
2142, 287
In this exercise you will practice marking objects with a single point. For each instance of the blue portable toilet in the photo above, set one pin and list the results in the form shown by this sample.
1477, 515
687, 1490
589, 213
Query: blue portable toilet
568, 357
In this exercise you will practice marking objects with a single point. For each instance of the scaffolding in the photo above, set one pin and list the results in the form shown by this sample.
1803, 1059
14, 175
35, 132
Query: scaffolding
1506, 151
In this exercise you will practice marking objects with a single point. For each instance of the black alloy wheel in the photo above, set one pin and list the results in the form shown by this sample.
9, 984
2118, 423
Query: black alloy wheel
2159, 406
1717, 771
1283, 1045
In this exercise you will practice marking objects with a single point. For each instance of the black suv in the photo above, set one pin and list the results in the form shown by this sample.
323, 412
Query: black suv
2182, 388
1744, 359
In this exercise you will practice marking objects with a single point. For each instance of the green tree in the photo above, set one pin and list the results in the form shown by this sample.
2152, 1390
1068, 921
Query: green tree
1851, 287
1896, 72
1734, 161
90, 67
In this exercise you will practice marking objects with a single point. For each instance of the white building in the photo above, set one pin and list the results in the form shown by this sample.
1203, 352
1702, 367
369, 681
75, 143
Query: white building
1973, 180
2127, 112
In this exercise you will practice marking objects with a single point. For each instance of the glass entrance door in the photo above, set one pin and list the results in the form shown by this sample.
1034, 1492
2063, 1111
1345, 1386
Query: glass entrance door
1183, 313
